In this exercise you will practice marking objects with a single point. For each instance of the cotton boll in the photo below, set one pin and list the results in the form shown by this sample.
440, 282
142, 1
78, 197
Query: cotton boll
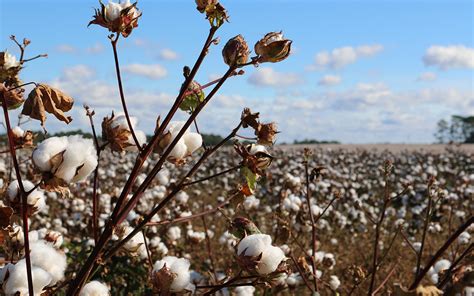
46, 150
256, 244
49, 259
253, 245
251, 202
179, 150
18, 282
18, 131
441, 265
464, 238
244, 291
182, 197
94, 288
76, 155
271, 259
294, 280
193, 142
180, 268
174, 233
35, 199
334, 282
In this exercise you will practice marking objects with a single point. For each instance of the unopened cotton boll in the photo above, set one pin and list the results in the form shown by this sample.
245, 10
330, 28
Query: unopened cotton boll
17, 281
49, 259
94, 288
179, 267
256, 244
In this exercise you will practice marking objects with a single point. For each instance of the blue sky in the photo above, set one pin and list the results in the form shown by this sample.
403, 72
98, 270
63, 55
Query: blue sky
361, 71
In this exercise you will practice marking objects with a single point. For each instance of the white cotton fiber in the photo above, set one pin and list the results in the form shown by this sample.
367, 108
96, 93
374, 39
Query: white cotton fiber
94, 288
49, 259
18, 279
178, 266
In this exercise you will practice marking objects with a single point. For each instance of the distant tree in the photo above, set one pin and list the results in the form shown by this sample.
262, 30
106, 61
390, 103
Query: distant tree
460, 130
442, 131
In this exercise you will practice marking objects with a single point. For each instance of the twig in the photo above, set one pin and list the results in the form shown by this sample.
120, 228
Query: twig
122, 96
425, 229
213, 176
95, 212
24, 196
392, 270
440, 252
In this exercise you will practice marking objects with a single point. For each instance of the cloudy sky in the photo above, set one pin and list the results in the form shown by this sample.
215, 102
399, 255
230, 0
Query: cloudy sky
361, 71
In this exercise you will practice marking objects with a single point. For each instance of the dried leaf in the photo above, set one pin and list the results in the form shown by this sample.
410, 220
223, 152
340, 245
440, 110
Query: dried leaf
419, 291
14, 98
5, 216
44, 98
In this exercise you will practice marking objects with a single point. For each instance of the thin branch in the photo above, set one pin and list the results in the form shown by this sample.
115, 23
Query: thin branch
440, 252
122, 96
24, 196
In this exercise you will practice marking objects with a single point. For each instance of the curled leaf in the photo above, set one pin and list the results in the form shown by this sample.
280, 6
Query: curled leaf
44, 98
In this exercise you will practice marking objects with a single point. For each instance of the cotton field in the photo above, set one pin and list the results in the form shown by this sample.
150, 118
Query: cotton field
260, 243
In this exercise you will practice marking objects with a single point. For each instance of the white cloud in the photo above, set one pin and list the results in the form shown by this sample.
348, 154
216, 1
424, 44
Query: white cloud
151, 71
340, 57
168, 54
97, 48
427, 76
330, 80
449, 57
66, 48
269, 77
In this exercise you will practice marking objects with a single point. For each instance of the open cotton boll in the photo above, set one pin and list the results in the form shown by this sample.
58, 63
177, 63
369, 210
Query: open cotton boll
46, 150
334, 282
180, 268
244, 291
174, 127
18, 282
49, 259
18, 131
94, 288
174, 233
256, 244
179, 150
441, 265
193, 142
80, 153
35, 199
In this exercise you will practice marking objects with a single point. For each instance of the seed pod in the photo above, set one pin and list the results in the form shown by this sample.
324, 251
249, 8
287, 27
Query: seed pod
236, 51
273, 48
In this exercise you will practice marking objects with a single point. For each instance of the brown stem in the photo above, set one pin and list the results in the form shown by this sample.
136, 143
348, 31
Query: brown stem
24, 196
208, 246
175, 191
122, 96
95, 212
77, 283
148, 253
378, 227
303, 275
313, 225
392, 270
214, 176
440, 252
448, 272
425, 231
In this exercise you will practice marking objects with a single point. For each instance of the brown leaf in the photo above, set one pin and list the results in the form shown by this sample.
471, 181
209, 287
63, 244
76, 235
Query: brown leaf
419, 291
44, 98
5, 216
